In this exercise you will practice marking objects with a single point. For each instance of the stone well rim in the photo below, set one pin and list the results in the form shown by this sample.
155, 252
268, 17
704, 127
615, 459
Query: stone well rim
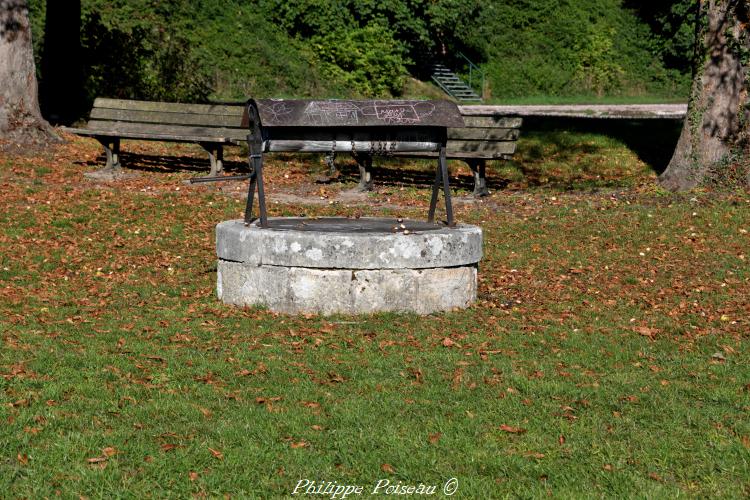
419, 245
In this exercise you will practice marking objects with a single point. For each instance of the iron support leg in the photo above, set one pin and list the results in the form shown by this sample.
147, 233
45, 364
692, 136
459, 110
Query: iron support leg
261, 194
435, 189
250, 195
446, 187
441, 174
256, 181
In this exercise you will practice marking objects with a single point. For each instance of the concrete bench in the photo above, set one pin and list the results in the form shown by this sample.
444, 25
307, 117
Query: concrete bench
211, 125
486, 135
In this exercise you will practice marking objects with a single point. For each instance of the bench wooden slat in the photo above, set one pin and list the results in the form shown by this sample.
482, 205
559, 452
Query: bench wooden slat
174, 131
484, 134
173, 107
493, 121
141, 116
207, 139
455, 147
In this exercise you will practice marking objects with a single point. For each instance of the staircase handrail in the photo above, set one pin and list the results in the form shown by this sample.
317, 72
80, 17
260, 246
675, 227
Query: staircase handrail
473, 67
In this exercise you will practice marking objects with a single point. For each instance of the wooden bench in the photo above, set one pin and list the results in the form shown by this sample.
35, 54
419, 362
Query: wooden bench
486, 135
211, 125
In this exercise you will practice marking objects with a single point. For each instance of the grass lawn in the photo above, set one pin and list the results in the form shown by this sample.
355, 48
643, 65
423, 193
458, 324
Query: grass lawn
607, 355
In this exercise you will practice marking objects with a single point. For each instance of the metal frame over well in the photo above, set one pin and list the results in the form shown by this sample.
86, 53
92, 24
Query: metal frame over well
372, 127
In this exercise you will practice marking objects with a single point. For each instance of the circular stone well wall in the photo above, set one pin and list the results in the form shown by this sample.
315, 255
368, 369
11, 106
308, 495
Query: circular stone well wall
352, 266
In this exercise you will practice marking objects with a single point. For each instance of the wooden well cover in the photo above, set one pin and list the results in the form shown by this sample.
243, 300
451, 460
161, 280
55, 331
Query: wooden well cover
356, 113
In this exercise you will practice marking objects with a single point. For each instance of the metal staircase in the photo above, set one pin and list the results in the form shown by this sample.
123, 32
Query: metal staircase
453, 85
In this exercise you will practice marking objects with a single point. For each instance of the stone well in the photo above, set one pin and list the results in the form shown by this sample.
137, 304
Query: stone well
352, 266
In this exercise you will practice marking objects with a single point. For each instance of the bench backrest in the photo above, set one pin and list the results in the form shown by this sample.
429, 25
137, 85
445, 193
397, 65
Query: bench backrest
168, 119
485, 134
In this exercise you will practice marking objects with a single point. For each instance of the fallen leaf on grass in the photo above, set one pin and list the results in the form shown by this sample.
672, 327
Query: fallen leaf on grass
608, 467
387, 468
168, 447
512, 430
646, 331
316, 427
216, 453
655, 476
23, 459
718, 356
193, 475
434, 438
96, 460
458, 376
447, 342
299, 444
262, 400
109, 451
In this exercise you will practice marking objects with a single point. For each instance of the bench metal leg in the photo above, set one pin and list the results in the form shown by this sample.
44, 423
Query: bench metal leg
219, 159
112, 169
216, 157
441, 174
364, 162
112, 150
330, 161
478, 168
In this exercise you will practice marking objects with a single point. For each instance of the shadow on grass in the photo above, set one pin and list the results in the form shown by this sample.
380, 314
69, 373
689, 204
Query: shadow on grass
555, 152
162, 163
393, 172
653, 141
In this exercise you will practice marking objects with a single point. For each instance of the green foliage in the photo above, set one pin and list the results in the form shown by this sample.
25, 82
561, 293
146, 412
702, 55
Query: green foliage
542, 47
208, 49
597, 67
365, 58
360, 42
671, 29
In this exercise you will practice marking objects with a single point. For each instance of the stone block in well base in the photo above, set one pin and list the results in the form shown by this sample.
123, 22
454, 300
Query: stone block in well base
328, 291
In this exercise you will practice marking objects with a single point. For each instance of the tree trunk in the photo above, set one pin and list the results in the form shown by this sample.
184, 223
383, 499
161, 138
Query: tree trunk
61, 84
20, 119
716, 127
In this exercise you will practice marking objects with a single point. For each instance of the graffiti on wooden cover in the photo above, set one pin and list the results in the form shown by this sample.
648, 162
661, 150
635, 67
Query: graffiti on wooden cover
350, 112
347, 113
